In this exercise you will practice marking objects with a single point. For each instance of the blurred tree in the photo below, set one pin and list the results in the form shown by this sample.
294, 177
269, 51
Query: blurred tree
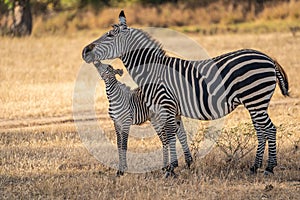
247, 6
22, 18
5, 6
157, 1
95, 3
259, 6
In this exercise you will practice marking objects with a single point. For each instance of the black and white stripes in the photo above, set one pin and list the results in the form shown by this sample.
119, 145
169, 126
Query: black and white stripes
127, 107
204, 89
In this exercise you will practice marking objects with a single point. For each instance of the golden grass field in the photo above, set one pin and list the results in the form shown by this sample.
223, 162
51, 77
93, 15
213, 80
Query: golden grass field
42, 156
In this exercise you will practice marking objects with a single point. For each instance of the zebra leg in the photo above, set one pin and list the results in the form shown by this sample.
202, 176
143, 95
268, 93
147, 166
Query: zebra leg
120, 172
173, 154
265, 131
167, 123
183, 141
124, 134
271, 136
165, 144
171, 130
165, 155
260, 149
122, 138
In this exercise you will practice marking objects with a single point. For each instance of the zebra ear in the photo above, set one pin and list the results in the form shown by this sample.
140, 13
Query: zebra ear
119, 71
114, 26
122, 18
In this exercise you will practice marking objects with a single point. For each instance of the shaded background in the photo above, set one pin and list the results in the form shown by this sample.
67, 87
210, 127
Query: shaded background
38, 17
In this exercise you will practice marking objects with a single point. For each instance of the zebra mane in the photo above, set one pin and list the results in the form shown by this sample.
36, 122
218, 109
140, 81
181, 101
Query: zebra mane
157, 45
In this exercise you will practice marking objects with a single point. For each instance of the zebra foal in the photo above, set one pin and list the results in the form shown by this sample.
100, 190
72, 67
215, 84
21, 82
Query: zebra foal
126, 108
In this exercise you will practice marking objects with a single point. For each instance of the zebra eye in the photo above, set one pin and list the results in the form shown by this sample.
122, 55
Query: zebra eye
110, 34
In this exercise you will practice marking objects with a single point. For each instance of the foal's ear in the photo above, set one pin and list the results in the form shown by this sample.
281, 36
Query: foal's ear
122, 18
119, 71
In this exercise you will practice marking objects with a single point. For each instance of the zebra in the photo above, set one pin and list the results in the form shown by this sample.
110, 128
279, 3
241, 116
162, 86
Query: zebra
202, 89
127, 107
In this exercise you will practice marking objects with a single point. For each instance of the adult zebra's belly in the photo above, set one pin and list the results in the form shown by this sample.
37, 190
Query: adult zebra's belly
197, 101
209, 107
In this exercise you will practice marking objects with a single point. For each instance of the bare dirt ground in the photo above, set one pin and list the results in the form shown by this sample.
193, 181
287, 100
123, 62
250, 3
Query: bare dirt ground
43, 157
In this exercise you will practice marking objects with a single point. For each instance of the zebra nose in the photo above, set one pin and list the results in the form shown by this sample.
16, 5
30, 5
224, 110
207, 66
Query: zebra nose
87, 49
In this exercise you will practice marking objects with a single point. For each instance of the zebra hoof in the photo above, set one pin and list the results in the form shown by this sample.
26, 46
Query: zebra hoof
253, 170
167, 174
164, 168
120, 173
189, 162
170, 174
268, 172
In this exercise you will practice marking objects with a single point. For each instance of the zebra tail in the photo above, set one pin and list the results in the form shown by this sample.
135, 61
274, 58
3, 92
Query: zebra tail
282, 79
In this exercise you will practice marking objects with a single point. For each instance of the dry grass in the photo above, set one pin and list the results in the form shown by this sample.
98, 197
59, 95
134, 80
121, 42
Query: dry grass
42, 155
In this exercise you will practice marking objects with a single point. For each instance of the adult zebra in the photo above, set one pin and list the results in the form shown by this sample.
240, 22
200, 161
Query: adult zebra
204, 89
127, 107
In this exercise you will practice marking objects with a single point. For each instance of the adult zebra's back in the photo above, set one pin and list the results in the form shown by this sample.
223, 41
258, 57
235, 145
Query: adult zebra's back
215, 87
204, 89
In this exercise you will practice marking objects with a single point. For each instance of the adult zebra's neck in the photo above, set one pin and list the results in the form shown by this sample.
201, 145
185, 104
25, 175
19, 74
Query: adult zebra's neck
142, 54
141, 63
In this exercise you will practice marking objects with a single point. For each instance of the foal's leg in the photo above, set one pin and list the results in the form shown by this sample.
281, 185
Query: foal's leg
122, 140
